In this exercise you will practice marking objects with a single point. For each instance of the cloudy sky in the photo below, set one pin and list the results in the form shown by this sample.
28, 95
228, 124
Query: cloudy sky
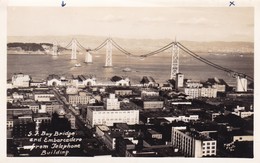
193, 23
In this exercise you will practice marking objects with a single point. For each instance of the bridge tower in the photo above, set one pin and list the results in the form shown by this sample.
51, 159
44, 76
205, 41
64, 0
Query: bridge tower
108, 54
74, 49
55, 48
175, 60
88, 58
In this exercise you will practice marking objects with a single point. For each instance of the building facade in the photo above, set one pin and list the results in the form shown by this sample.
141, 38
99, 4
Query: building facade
192, 143
80, 98
20, 80
100, 116
179, 80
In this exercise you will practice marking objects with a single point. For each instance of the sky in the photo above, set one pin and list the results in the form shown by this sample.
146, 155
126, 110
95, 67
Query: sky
185, 23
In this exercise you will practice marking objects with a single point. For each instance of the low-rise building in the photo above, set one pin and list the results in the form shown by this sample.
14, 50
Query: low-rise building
123, 92
43, 96
148, 81
71, 90
192, 143
49, 107
34, 107
20, 80
219, 84
154, 134
54, 80
183, 118
149, 93
243, 114
37, 83
192, 92
18, 110
120, 81
82, 81
166, 87
100, 115
153, 104
209, 92
80, 98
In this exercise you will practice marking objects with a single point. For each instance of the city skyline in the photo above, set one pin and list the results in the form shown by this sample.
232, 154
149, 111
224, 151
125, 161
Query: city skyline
133, 97
188, 23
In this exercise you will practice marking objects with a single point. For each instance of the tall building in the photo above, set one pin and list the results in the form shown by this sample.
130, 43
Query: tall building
112, 103
241, 84
192, 143
179, 80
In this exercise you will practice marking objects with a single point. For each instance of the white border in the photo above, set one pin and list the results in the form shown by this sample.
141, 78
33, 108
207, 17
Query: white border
122, 3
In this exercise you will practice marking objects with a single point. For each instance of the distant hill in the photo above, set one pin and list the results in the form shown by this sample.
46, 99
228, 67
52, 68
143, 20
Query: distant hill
139, 46
28, 46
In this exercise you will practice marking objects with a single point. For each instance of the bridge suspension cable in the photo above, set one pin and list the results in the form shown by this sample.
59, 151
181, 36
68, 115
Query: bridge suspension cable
68, 45
143, 55
80, 46
211, 63
162, 49
121, 49
166, 47
100, 46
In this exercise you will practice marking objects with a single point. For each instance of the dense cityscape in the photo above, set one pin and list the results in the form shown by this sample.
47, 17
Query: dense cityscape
157, 81
80, 116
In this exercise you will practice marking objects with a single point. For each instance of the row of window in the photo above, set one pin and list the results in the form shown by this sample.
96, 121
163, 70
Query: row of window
209, 152
114, 112
209, 143
209, 147
114, 120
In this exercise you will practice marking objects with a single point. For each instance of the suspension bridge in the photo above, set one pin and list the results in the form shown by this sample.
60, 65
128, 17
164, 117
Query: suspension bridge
175, 51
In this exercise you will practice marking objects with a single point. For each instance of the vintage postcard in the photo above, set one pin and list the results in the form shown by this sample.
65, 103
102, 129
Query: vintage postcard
130, 81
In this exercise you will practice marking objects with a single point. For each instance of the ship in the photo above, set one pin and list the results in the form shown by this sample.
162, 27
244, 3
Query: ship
77, 65
127, 69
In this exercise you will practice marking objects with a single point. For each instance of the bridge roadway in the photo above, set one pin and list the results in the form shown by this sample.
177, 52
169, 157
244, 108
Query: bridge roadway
69, 108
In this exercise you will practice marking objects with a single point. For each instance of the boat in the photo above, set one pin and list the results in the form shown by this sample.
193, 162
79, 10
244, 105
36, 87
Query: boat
77, 65
127, 69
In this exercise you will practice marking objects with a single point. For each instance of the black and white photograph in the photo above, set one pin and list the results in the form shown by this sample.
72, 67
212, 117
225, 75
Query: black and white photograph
172, 81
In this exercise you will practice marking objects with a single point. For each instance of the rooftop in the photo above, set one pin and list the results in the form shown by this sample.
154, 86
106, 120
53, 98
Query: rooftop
116, 78
53, 76
123, 106
216, 81
196, 135
82, 77
147, 79
111, 89
152, 98
41, 115
10, 107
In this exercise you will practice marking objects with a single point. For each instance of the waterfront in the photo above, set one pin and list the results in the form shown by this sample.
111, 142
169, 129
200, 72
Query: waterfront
40, 66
